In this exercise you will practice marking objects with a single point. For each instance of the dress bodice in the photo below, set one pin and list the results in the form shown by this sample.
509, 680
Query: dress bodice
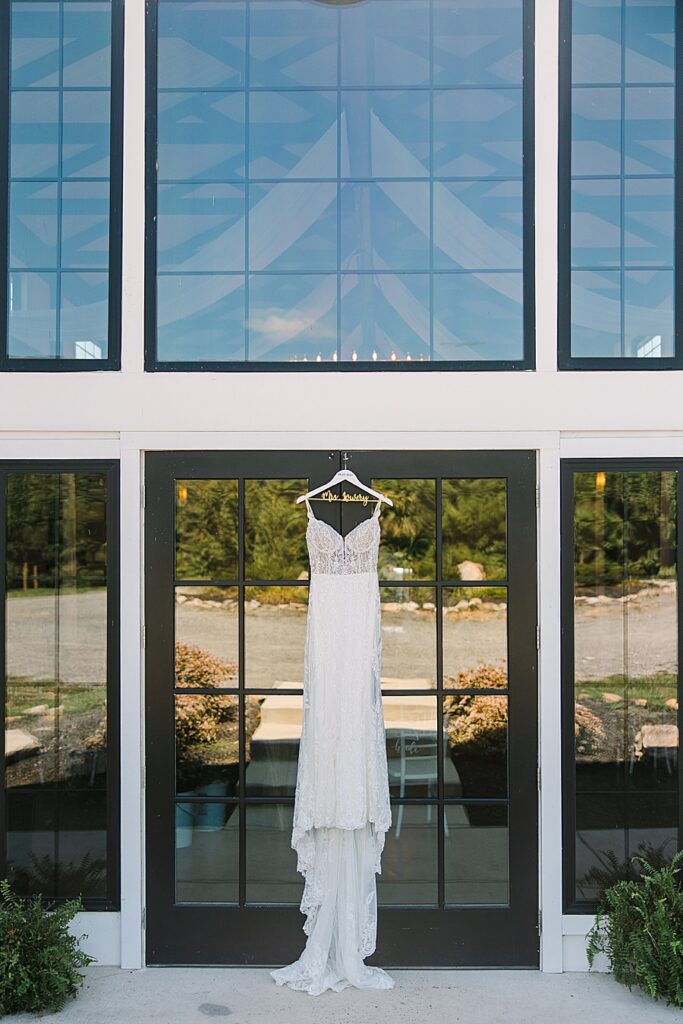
332, 554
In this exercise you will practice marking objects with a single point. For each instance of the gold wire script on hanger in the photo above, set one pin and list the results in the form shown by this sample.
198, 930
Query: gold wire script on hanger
364, 499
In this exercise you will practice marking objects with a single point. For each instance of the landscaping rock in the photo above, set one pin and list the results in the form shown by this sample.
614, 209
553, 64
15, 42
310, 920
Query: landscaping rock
19, 743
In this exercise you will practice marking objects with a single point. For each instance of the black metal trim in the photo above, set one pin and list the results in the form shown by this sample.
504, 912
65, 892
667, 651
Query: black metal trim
503, 936
110, 468
10, 364
568, 468
565, 359
528, 360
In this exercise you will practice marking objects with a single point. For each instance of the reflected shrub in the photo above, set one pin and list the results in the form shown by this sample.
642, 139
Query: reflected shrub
476, 726
198, 717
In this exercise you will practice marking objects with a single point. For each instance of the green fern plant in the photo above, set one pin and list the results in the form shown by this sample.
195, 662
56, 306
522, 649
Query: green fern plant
39, 958
639, 926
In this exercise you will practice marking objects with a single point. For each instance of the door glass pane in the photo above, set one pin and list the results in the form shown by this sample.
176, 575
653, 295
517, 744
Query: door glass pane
271, 862
412, 745
207, 744
206, 529
625, 672
275, 632
409, 859
474, 529
273, 731
476, 864
408, 545
275, 530
477, 734
206, 632
408, 637
475, 637
206, 852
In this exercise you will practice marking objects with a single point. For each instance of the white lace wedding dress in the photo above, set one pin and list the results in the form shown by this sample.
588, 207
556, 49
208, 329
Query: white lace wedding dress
341, 808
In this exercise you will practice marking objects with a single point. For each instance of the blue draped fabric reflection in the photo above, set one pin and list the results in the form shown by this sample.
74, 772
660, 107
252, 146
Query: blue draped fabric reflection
323, 162
622, 196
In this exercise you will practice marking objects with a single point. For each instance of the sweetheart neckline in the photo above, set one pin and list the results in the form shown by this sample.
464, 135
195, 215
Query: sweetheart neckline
344, 537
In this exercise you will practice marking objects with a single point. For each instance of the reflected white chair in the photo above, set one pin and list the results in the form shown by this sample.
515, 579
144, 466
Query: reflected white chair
418, 761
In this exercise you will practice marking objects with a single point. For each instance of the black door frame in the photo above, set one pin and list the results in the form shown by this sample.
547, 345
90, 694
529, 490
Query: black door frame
407, 936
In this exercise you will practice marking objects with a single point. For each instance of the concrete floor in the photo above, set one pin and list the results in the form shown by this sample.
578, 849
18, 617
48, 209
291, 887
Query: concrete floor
250, 996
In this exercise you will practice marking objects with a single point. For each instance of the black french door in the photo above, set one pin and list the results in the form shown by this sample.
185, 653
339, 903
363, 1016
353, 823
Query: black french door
226, 600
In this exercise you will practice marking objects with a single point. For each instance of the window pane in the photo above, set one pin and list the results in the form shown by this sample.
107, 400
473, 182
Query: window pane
382, 49
35, 45
478, 133
596, 313
625, 671
32, 321
200, 316
306, 239
33, 225
385, 134
200, 227
87, 50
385, 317
292, 42
292, 317
60, 129
200, 136
478, 42
56, 639
385, 224
478, 316
293, 134
201, 45
478, 225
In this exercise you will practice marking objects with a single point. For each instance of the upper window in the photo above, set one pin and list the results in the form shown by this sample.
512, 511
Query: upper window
60, 107
617, 187
338, 183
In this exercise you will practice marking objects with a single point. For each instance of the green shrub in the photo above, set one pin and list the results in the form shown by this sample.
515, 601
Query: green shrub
639, 926
39, 959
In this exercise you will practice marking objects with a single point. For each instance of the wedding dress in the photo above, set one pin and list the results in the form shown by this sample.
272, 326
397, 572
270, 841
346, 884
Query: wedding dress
341, 805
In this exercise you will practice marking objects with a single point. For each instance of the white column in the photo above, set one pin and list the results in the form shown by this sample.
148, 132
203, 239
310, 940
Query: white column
132, 711
133, 267
550, 756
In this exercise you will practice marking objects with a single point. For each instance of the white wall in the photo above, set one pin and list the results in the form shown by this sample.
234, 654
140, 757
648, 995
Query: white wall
120, 415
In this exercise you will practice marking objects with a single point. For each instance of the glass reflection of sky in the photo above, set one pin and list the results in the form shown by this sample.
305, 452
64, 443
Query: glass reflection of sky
59, 179
622, 199
339, 183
